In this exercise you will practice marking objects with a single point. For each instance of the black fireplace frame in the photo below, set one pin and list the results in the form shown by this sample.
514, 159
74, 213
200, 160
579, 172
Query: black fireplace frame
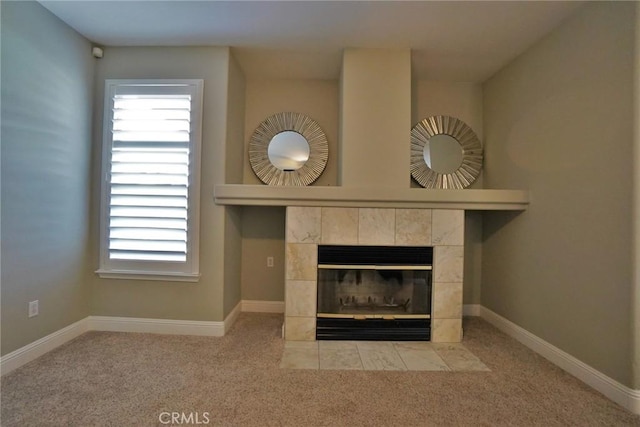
373, 329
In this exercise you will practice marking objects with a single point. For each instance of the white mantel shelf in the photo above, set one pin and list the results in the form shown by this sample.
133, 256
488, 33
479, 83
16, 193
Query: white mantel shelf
263, 195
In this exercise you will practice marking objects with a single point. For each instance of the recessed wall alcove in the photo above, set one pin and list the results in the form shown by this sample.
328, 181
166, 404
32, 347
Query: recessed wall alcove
340, 215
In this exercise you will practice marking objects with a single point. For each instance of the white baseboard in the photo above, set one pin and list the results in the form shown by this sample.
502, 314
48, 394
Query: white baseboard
619, 393
29, 352
37, 348
263, 306
156, 326
471, 310
232, 317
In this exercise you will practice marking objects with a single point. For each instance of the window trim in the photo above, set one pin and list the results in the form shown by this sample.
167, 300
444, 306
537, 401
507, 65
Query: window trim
153, 270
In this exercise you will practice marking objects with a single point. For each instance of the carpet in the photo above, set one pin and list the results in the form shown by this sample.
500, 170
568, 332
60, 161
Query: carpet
129, 379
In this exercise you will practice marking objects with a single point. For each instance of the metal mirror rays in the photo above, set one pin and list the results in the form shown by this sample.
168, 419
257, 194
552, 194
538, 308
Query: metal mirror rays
470, 166
273, 125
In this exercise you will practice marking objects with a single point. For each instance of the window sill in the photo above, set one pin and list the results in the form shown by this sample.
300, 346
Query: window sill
148, 275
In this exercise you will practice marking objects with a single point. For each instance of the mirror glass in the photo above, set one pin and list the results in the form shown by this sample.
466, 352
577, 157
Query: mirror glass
288, 151
443, 154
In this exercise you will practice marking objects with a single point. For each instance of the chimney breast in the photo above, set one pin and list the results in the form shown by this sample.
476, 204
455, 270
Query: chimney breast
375, 118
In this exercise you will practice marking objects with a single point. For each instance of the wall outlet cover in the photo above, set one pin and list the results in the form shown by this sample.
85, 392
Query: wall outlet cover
33, 308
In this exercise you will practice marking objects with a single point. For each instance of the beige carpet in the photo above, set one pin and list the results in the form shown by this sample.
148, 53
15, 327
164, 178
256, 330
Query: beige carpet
124, 379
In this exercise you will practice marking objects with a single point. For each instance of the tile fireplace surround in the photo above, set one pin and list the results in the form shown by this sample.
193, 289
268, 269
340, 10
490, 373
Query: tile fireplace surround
307, 227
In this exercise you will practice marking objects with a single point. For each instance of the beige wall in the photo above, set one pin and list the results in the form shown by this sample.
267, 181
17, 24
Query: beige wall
317, 99
203, 300
375, 97
635, 299
558, 121
263, 227
262, 237
234, 154
457, 99
47, 88
234, 145
472, 278
232, 258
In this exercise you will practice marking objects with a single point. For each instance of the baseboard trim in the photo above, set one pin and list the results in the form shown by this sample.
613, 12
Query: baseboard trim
262, 306
29, 352
232, 317
471, 310
156, 326
619, 393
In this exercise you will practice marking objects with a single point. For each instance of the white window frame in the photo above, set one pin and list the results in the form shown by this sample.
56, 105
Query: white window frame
153, 270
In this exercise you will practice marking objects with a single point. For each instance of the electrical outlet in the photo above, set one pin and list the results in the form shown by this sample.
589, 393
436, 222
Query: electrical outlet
269, 261
33, 308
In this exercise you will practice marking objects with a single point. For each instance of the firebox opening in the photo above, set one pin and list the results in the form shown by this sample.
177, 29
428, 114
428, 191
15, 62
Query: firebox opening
374, 292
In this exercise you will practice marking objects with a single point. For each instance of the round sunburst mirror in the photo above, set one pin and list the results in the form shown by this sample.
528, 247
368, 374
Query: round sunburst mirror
288, 149
445, 153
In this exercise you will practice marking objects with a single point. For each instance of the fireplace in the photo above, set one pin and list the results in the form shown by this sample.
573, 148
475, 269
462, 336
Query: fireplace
309, 228
374, 293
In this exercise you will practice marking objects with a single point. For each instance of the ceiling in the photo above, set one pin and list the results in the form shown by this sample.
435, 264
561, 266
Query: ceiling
450, 40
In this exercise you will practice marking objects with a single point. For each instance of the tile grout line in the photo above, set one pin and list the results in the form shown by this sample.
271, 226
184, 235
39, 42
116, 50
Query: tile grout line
392, 351
406, 368
357, 347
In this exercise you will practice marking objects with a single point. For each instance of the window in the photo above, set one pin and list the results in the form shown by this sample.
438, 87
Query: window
150, 189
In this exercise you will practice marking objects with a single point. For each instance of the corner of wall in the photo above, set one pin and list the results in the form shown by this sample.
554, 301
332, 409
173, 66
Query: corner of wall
635, 296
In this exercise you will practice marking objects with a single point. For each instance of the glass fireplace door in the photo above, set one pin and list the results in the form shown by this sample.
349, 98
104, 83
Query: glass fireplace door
366, 292
374, 293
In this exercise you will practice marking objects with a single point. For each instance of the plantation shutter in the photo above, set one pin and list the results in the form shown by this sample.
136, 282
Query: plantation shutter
149, 179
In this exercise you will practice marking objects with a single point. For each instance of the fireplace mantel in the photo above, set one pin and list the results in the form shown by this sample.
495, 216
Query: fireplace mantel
262, 195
